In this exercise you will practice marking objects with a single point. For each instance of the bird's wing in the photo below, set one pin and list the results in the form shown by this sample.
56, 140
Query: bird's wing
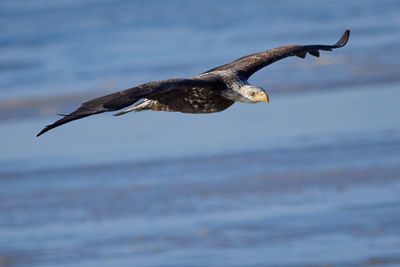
122, 99
248, 65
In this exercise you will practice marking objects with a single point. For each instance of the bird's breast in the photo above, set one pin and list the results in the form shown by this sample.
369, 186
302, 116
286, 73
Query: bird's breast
194, 100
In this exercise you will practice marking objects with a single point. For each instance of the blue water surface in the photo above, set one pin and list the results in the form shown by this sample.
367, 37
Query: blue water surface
312, 179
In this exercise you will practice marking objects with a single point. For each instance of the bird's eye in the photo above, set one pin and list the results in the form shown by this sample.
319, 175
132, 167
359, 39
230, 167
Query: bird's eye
252, 93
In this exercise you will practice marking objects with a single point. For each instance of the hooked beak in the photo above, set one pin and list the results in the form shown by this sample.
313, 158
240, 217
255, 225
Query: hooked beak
261, 96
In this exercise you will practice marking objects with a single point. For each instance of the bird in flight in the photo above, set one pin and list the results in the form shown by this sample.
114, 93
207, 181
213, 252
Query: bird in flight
212, 91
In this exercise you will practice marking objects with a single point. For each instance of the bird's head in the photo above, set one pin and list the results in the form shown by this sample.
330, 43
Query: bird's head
253, 94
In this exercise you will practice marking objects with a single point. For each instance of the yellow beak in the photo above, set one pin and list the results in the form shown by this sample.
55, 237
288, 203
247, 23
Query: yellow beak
261, 96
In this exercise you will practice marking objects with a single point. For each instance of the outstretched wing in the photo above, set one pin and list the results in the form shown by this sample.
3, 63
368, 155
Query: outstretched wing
119, 100
248, 65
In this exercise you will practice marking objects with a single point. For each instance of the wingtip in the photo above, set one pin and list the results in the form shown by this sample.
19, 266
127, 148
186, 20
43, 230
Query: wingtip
42, 131
343, 40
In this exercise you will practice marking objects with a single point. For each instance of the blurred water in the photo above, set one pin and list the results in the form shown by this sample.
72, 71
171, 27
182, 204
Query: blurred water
312, 179
75, 46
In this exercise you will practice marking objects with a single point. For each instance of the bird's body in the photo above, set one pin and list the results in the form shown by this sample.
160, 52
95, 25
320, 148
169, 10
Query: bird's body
212, 91
202, 95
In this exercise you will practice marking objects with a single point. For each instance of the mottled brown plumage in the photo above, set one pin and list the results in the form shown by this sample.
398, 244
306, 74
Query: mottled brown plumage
213, 91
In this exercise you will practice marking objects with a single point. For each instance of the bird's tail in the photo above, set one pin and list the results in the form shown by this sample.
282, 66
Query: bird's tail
102, 104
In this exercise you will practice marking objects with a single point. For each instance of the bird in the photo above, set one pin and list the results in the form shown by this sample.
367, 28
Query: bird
212, 91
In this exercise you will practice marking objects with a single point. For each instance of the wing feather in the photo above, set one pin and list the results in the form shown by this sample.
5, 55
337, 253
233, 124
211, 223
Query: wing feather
118, 100
248, 65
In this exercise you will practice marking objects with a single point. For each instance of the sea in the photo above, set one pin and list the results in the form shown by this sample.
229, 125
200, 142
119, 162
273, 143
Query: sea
311, 179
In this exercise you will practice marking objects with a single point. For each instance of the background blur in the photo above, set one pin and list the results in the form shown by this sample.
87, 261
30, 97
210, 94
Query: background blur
312, 179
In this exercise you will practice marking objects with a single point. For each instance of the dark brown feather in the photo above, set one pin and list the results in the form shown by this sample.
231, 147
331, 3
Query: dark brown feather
315, 53
248, 65
187, 95
112, 102
302, 54
200, 95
